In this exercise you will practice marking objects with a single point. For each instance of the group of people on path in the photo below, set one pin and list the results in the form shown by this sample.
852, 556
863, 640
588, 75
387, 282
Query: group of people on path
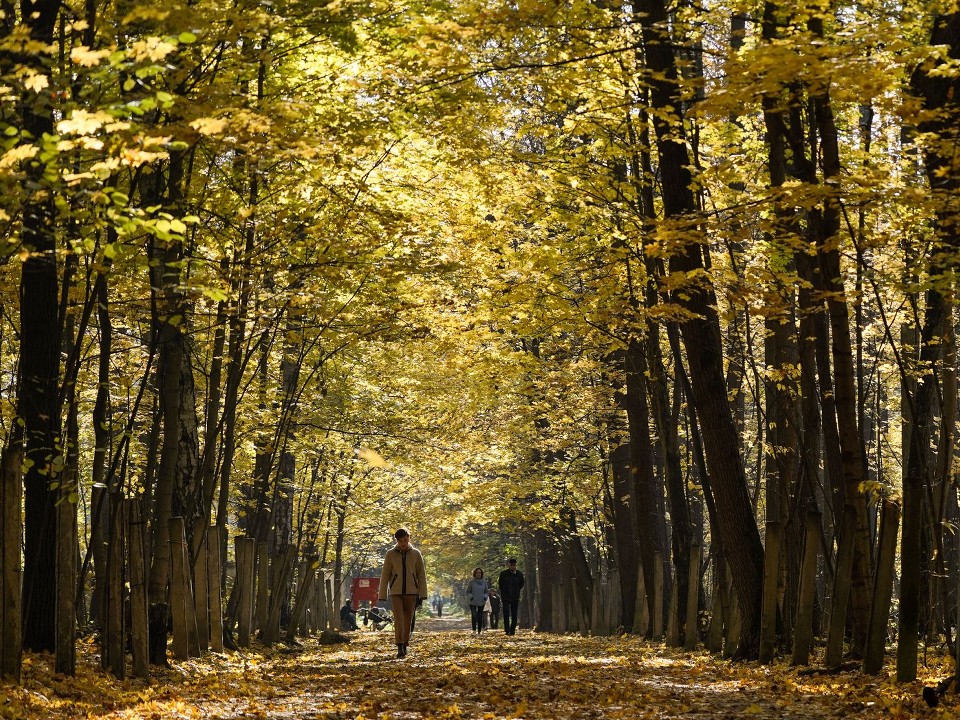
483, 599
404, 580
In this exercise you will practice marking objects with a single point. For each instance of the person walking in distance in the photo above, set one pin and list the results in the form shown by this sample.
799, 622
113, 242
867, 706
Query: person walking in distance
404, 580
510, 583
494, 609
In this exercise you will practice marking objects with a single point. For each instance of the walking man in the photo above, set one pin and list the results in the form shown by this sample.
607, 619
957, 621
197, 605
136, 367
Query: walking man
405, 581
511, 583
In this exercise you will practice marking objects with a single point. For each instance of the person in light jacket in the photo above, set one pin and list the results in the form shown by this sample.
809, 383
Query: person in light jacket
478, 590
404, 580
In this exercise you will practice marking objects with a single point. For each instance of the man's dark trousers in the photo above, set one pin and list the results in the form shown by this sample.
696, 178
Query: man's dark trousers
510, 608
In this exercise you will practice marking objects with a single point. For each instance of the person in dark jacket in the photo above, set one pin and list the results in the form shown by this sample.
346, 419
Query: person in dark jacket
494, 609
348, 616
404, 580
510, 583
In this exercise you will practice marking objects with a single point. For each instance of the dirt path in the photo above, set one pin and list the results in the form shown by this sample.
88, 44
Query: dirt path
450, 673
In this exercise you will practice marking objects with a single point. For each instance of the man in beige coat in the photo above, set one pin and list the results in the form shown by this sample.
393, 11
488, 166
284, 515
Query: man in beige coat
404, 579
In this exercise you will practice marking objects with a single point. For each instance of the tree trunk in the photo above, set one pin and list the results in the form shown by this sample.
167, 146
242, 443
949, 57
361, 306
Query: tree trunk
938, 92
38, 391
701, 333
626, 534
547, 564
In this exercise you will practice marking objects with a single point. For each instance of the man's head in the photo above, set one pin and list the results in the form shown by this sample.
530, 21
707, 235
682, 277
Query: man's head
403, 537
512, 563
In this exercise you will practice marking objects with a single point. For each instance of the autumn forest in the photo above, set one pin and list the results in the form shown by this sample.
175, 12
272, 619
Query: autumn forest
656, 297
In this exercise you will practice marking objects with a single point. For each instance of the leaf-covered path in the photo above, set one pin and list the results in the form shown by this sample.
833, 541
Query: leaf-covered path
450, 673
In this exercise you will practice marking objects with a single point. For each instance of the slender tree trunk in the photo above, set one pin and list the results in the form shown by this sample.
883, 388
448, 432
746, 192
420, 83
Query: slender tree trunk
169, 323
626, 534
701, 333
548, 563
39, 363
938, 92
649, 502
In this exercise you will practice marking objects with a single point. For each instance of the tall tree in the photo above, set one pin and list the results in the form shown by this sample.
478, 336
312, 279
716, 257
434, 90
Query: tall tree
39, 363
701, 332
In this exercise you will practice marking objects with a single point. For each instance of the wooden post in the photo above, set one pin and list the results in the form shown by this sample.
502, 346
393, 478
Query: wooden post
316, 602
99, 534
641, 616
597, 626
720, 612
882, 588
657, 596
692, 623
841, 588
771, 579
673, 617
281, 581
201, 594
558, 616
179, 589
114, 644
304, 593
322, 618
614, 606
803, 632
305, 568
67, 551
246, 555
731, 633
11, 540
137, 564
329, 609
262, 608
215, 605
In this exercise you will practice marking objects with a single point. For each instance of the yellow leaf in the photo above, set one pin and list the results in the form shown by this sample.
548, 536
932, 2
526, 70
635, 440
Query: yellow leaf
372, 457
85, 57
152, 48
209, 126
14, 155
82, 122
36, 82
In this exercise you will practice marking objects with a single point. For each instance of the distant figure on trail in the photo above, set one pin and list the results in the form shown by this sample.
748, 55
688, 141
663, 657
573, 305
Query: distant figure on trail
438, 605
494, 609
348, 616
477, 590
404, 579
510, 583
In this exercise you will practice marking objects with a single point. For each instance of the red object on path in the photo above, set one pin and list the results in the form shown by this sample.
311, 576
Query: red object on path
364, 588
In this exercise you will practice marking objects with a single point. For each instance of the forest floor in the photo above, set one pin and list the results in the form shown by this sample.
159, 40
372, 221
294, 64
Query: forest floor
450, 673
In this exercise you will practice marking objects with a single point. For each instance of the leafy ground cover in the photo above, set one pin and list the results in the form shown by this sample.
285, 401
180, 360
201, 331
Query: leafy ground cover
450, 673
